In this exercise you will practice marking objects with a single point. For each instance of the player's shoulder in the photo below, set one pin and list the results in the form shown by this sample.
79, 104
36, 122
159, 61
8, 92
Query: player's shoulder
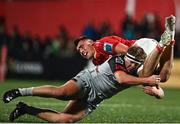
112, 37
116, 63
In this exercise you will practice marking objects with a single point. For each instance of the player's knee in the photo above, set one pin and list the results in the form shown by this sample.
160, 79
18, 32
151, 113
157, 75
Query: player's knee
165, 75
61, 93
68, 119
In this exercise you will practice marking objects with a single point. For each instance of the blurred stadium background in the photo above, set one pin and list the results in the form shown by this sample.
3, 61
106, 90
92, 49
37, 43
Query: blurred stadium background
36, 49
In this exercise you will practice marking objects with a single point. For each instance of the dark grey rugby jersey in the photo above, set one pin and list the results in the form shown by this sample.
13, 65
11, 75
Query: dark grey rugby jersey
99, 83
107, 83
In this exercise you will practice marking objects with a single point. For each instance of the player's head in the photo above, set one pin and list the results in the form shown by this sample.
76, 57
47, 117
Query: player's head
84, 47
134, 58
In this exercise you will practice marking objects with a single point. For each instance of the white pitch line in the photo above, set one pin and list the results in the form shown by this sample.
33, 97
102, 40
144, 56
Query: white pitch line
140, 106
113, 105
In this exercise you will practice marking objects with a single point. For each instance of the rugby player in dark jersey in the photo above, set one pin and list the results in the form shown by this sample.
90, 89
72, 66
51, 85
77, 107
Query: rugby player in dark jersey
89, 87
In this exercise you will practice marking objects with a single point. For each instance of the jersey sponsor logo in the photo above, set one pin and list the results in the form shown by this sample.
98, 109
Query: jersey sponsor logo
119, 60
108, 47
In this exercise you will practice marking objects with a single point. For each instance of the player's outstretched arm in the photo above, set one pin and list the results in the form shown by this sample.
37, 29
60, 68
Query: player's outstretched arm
124, 78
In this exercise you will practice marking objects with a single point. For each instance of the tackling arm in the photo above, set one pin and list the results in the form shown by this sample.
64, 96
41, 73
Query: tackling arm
113, 45
124, 78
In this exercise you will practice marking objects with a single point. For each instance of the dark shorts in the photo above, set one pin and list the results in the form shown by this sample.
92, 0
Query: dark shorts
88, 93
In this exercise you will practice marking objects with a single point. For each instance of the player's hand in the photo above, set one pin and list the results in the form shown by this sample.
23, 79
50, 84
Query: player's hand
156, 91
153, 80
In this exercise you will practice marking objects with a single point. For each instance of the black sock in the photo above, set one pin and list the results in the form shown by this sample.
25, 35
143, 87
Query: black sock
35, 111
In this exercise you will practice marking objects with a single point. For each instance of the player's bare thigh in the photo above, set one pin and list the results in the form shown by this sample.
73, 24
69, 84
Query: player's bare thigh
69, 91
77, 109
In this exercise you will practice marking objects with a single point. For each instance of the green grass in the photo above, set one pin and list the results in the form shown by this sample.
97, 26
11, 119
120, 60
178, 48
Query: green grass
131, 105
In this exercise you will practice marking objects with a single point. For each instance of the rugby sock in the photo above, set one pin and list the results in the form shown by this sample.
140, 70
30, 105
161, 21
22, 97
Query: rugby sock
26, 91
159, 48
35, 111
173, 42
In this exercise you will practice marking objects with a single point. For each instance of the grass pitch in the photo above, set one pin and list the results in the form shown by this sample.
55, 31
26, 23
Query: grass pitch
131, 105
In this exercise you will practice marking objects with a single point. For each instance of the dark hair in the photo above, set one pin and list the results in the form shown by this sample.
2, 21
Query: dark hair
138, 53
76, 41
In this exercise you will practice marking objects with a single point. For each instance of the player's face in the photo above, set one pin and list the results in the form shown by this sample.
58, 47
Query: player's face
86, 49
131, 65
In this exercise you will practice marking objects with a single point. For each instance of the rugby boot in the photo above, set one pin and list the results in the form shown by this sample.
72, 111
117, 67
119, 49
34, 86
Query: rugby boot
10, 95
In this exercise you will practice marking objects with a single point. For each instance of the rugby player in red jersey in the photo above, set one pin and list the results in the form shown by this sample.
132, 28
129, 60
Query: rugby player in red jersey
99, 51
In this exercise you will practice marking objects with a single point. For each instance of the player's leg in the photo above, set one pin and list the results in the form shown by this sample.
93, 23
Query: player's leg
164, 70
74, 111
150, 46
153, 57
69, 90
166, 61
163, 53
148, 69
165, 58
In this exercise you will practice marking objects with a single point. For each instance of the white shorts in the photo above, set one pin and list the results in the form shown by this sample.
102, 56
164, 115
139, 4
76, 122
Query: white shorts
148, 46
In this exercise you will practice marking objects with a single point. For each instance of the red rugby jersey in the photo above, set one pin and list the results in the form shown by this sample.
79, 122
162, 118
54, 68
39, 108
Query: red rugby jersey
105, 47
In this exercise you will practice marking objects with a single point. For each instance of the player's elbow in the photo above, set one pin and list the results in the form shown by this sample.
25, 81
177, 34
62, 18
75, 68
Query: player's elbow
122, 80
121, 77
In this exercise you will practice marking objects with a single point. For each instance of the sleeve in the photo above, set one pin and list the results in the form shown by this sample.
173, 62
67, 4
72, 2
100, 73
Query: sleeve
107, 45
